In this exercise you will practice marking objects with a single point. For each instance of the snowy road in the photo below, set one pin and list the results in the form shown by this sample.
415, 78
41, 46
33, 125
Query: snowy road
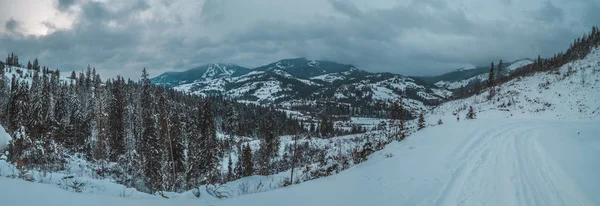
478, 162
507, 165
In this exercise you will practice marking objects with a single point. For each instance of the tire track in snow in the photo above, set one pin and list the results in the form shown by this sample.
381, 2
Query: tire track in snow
504, 165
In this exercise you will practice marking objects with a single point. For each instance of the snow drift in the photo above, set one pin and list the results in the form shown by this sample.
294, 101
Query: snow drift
4, 139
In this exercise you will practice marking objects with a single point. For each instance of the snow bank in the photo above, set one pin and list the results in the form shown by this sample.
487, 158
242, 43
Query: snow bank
4, 139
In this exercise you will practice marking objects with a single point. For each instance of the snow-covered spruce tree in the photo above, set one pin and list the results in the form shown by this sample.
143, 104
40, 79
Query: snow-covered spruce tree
471, 114
167, 169
397, 116
36, 65
269, 146
230, 172
211, 151
499, 68
203, 149
421, 124
116, 119
326, 127
246, 161
176, 145
490, 82
150, 144
4, 95
194, 162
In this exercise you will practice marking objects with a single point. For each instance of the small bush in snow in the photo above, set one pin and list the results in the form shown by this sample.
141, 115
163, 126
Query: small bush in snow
70, 183
388, 155
471, 114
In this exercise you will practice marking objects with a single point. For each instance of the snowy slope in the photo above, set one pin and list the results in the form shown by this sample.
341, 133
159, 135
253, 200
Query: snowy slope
4, 139
513, 162
553, 95
481, 77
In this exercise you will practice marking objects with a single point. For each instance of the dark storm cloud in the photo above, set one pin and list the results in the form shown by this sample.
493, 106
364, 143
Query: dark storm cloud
11, 25
416, 38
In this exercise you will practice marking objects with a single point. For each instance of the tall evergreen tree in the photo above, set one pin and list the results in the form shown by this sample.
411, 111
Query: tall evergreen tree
150, 148
36, 65
116, 119
210, 145
247, 164
421, 121
269, 145
490, 82
499, 68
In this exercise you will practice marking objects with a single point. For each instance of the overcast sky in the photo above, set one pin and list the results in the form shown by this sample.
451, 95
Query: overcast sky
420, 37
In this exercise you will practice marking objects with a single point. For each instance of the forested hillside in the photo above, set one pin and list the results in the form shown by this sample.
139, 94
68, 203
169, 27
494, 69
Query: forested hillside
145, 136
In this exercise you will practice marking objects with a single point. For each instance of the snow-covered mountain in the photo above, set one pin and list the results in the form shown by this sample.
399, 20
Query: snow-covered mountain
295, 82
205, 72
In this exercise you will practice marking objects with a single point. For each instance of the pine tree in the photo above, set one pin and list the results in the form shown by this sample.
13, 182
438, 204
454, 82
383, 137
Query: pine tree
490, 81
326, 127
247, 164
193, 172
230, 174
210, 144
440, 122
36, 65
150, 148
4, 96
269, 145
499, 68
421, 122
116, 119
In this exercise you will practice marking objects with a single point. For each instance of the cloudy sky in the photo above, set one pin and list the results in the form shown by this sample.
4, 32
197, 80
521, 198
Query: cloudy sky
418, 37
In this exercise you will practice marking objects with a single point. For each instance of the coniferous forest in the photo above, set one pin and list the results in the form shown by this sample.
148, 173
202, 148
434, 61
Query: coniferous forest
144, 136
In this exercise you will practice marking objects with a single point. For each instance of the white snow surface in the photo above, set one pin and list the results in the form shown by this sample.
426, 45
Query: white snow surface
329, 77
4, 139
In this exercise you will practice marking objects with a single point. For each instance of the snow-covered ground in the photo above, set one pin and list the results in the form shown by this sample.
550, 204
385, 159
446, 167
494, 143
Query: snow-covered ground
4, 139
477, 162
513, 161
